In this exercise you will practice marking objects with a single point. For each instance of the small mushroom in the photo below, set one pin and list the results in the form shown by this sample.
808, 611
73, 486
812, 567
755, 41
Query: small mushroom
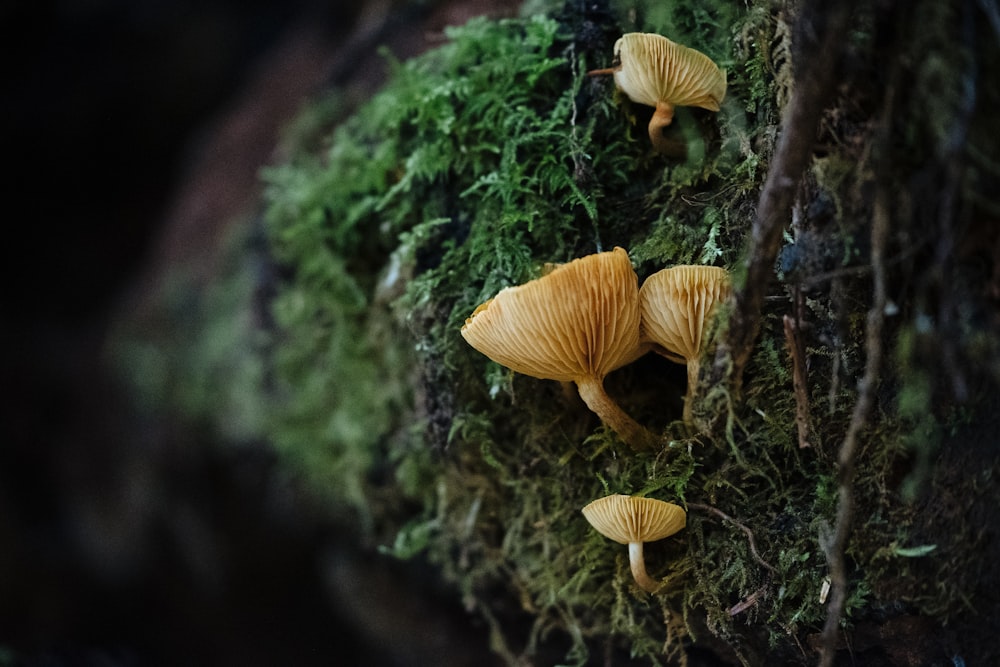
676, 304
576, 323
661, 73
633, 520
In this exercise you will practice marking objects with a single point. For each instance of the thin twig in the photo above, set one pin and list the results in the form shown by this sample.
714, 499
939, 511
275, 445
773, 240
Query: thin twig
749, 533
754, 597
859, 418
748, 602
849, 446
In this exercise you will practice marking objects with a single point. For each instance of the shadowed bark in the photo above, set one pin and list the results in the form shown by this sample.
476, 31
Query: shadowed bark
820, 35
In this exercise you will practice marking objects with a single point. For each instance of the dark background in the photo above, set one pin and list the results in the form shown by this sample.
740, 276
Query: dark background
129, 538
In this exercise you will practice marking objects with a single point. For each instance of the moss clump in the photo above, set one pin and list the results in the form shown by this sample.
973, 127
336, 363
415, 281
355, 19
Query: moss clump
478, 163
494, 154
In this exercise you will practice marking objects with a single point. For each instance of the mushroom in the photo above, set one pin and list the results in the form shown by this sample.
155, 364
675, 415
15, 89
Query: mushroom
576, 323
676, 304
661, 73
633, 520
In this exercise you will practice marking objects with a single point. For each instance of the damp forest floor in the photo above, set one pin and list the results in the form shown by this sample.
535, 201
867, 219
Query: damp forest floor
333, 334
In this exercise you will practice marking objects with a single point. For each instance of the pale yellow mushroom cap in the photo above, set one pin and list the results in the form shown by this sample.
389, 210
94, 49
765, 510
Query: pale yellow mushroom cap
631, 519
580, 320
676, 304
656, 69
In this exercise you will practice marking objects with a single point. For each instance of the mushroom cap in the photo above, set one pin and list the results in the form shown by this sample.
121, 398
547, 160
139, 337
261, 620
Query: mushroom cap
629, 519
677, 302
579, 320
656, 69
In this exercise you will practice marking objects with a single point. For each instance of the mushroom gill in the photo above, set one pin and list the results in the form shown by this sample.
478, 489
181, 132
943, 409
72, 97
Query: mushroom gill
658, 72
676, 305
576, 323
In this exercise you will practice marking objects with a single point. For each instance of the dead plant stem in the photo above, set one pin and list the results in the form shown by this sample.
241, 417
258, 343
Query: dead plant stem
797, 353
859, 419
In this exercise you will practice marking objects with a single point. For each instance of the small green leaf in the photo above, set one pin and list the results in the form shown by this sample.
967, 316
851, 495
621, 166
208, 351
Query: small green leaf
914, 552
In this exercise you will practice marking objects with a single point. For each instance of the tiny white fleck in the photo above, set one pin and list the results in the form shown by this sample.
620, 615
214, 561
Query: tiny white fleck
824, 590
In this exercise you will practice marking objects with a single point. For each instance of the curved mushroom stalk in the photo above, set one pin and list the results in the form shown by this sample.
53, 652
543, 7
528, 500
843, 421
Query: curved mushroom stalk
637, 563
662, 117
594, 395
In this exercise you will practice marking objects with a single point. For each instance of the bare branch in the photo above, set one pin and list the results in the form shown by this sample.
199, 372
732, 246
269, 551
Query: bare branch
859, 418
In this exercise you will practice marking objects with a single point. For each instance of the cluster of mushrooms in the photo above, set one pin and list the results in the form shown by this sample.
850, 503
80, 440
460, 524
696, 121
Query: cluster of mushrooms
588, 317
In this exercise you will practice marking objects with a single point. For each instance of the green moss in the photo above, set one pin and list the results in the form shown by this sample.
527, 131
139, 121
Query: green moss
477, 164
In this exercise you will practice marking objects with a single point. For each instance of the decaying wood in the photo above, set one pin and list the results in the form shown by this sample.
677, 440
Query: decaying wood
820, 34
885, 204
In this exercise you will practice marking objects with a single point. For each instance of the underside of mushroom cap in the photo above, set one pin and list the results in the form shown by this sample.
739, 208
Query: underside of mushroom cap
579, 320
628, 519
656, 69
676, 304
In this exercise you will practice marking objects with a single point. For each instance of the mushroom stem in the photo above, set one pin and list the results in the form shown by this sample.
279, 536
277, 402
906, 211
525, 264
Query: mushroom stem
693, 366
663, 116
637, 563
593, 394
603, 71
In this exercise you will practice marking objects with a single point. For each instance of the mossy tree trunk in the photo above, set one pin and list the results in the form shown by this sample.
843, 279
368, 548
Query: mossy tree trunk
843, 183
916, 233
849, 182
